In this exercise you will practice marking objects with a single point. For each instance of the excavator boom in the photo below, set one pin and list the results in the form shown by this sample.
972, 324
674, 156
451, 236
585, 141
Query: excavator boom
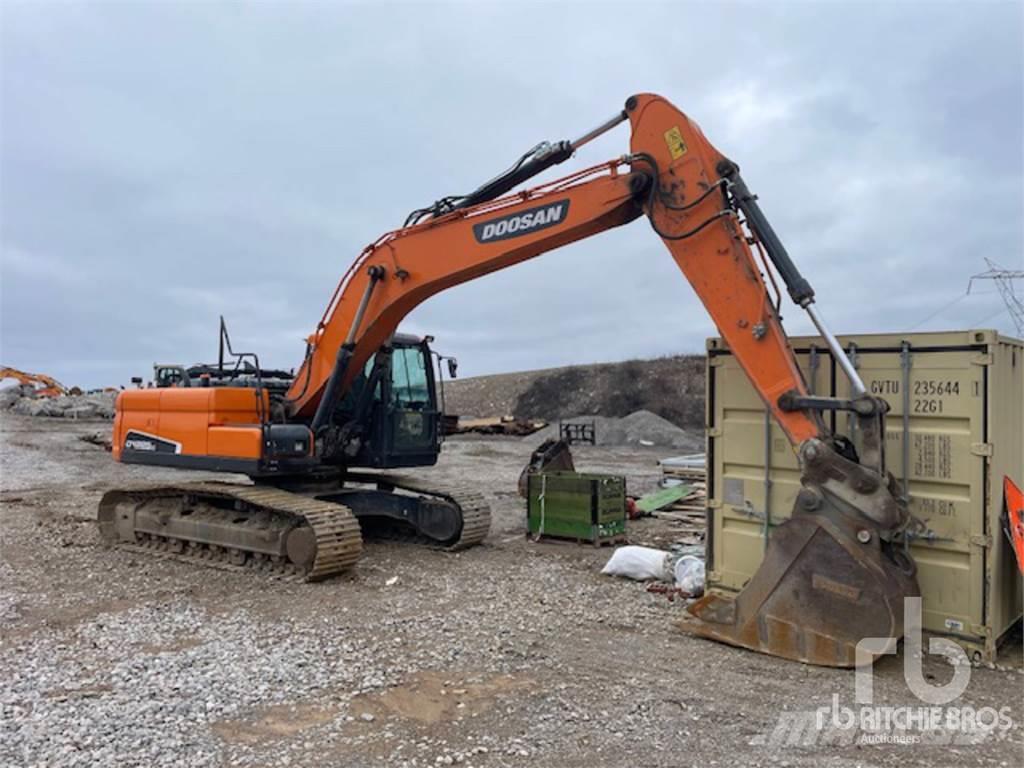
671, 175
834, 573
44, 386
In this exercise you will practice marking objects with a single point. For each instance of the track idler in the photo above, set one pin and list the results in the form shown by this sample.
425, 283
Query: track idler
831, 575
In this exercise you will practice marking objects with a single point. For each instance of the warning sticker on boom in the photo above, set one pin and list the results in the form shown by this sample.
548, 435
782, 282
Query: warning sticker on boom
676, 145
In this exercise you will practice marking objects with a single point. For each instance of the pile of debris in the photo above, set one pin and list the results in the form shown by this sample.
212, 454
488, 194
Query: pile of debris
691, 469
494, 425
23, 400
640, 428
689, 511
682, 567
672, 387
681, 498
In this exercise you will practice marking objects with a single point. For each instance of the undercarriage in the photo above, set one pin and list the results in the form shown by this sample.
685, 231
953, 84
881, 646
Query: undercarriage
312, 529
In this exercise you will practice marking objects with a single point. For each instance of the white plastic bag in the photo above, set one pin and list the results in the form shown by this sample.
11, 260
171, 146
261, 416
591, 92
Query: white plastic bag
640, 563
689, 575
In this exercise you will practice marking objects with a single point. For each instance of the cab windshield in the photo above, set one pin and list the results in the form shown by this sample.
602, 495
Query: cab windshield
409, 389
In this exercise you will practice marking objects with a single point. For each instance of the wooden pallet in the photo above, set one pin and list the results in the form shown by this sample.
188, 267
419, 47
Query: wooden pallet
688, 514
684, 473
696, 502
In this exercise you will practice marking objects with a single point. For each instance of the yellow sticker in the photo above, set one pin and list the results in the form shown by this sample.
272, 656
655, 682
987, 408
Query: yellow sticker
675, 142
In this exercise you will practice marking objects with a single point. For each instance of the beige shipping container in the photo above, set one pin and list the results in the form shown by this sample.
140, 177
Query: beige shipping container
955, 429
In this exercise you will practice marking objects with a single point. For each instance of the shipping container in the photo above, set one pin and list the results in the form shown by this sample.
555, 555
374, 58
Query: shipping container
955, 429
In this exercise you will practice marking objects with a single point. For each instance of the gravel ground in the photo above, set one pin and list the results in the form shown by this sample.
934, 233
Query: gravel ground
510, 654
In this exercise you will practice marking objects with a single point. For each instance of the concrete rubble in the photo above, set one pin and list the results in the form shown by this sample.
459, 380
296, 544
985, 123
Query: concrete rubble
21, 400
11, 395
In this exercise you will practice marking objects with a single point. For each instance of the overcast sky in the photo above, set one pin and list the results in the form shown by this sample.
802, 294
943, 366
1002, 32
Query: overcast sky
164, 163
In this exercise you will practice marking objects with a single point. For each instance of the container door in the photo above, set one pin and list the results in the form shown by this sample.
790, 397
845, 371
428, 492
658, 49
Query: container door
943, 395
740, 498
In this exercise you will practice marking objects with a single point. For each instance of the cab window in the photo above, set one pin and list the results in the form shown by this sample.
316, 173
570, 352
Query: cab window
409, 388
169, 377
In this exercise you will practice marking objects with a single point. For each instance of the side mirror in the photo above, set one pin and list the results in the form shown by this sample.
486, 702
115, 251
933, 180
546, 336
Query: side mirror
453, 366
137, 381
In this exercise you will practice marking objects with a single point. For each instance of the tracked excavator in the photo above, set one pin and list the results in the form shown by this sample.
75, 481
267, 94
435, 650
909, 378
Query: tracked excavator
321, 446
43, 385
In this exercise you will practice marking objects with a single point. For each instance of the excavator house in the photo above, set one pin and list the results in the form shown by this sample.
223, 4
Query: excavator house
321, 446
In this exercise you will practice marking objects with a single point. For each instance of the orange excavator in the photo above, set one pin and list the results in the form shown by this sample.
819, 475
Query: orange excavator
43, 385
317, 445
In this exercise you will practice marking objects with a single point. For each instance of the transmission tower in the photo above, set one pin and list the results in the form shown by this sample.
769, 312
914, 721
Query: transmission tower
1004, 280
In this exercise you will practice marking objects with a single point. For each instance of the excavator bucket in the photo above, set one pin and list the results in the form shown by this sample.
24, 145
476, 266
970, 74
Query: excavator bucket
820, 590
550, 456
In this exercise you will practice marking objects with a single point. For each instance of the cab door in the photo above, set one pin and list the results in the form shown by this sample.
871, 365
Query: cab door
412, 416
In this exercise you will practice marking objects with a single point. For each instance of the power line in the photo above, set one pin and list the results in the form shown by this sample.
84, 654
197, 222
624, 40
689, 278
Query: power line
985, 319
938, 311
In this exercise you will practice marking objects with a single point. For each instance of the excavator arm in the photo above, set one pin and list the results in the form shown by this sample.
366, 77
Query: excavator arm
837, 570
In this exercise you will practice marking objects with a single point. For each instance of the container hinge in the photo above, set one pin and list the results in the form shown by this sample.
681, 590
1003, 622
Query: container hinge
713, 431
984, 358
714, 504
716, 361
981, 449
982, 540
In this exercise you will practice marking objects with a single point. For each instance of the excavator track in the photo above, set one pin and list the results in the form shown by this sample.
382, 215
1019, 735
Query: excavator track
235, 526
476, 512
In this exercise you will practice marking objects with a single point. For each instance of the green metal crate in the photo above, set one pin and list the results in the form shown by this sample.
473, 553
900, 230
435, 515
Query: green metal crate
576, 505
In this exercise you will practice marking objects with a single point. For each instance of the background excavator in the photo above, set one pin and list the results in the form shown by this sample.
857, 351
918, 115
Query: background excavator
365, 400
42, 385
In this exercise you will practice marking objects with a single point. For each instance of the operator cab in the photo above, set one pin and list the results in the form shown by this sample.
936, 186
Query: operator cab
402, 422
165, 375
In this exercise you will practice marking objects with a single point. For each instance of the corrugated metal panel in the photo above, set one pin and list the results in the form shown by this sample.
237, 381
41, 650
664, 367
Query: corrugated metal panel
959, 399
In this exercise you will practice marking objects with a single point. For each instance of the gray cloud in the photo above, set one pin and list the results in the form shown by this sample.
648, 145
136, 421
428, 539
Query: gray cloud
166, 163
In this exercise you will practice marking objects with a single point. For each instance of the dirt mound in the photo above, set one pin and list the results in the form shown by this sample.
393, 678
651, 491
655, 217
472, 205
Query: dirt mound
483, 396
671, 387
638, 428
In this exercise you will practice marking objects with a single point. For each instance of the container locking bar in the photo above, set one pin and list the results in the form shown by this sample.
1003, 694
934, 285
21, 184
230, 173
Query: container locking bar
868, 406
